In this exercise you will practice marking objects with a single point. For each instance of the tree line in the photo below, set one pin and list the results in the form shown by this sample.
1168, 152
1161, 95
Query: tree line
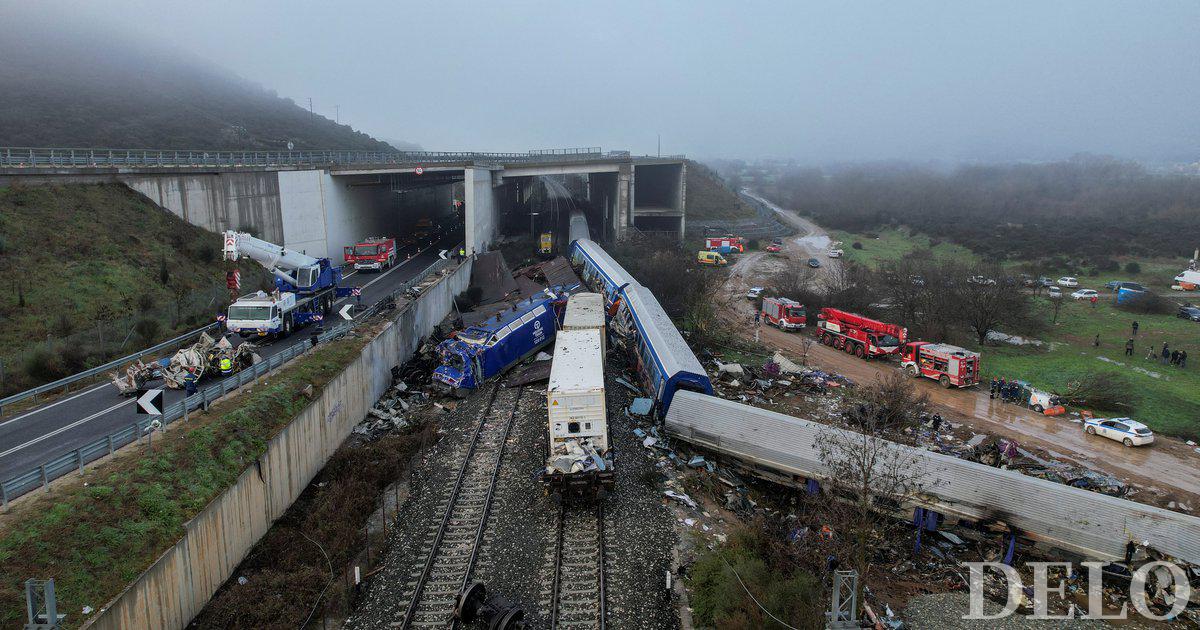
1087, 208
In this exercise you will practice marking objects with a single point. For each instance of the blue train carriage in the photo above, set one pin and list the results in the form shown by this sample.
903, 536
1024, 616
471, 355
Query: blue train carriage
663, 359
598, 270
578, 229
480, 352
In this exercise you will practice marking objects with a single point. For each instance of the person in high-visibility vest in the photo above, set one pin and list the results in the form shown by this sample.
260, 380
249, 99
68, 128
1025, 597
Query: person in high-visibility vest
226, 364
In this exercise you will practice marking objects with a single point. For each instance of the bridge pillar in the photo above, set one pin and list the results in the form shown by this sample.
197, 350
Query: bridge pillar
480, 209
625, 199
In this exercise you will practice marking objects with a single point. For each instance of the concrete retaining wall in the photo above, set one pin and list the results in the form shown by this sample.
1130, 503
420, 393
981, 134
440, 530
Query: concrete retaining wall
178, 585
218, 201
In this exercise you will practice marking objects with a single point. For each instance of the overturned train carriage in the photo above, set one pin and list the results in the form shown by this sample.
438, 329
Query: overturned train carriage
599, 270
1092, 524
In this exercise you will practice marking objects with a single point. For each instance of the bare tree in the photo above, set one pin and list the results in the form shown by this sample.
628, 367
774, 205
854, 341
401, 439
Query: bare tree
985, 305
870, 479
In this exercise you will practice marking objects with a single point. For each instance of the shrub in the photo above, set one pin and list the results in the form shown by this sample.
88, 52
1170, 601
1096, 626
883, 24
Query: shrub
752, 244
147, 328
1107, 391
145, 302
1147, 303
856, 245
1107, 265
44, 365
64, 324
164, 274
74, 358
1093, 272
1133, 267
205, 252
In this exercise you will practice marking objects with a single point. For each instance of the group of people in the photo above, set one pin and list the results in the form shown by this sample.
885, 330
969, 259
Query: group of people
1165, 355
1008, 391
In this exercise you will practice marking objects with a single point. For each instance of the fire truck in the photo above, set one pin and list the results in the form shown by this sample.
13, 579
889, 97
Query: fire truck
784, 313
725, 244
949, 365
861, 336
374, 252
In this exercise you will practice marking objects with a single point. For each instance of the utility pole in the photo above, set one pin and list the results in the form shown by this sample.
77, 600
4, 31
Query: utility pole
337, 114
310, 109
660, 145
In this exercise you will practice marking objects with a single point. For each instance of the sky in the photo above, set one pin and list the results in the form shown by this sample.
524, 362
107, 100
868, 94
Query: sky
817, 82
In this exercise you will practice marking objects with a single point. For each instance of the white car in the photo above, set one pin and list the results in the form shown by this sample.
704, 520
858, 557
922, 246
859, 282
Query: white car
835, 253
981, 280
754, 293
1126, 431
1054, 292
1085, 294
1068, 282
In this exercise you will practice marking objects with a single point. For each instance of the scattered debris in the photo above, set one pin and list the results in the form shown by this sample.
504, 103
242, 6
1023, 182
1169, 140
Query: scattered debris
641, 406
683, 498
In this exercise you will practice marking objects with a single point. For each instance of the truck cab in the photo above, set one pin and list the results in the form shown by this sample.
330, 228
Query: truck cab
261, 314
784, 313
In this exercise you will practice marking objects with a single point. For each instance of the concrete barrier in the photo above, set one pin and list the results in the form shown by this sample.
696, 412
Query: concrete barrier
178, 585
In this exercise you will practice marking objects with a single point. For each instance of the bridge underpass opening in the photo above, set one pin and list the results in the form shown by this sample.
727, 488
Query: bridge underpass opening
659, 198
543, 204
419, 211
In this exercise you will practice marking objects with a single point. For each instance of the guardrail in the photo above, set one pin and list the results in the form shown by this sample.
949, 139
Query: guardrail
111, 365
32, 157
74, 461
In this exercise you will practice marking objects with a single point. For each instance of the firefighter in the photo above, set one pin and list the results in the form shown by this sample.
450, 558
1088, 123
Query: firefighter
995, 386
189, 382
225, 364
1129, 347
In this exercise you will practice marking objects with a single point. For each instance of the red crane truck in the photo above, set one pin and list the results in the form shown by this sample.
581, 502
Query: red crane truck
375, 252
861, 336
949, 365
784, 313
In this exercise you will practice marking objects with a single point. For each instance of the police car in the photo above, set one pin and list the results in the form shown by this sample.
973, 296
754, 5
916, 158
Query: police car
1126, 431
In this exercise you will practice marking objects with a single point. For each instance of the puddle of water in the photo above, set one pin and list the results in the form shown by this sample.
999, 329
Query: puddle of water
816, 241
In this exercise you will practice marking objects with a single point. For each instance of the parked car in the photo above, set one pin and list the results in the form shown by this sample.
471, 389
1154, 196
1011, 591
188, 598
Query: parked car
835, 253
1027, 280
1132, 286
774, 248
1044, 282
981, 280
754, 293
1068, 282
814, 263
1126, 431
917, 281
1054, 292
1085, 294
1113, 286
1189, 312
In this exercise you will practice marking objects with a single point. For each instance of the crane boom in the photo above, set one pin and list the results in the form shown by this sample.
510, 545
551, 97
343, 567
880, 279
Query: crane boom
293, 267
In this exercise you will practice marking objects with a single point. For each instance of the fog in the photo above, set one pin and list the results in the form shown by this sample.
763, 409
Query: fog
818, 82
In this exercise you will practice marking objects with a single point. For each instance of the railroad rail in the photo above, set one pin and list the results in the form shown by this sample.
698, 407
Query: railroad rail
457, 538
577, 598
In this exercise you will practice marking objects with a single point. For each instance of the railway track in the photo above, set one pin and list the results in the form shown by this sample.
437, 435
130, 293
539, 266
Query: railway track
577, 598
454, 542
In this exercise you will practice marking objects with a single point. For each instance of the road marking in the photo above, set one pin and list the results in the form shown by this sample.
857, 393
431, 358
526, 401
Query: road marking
56, 403
69, 426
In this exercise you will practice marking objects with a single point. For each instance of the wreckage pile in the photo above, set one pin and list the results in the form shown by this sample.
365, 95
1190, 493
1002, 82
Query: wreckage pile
780, 375
397, 407
201, 358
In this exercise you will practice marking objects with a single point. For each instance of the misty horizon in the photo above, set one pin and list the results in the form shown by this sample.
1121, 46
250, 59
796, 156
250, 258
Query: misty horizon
927, 82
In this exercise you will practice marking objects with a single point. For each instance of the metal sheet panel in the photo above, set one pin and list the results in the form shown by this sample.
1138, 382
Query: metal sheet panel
1090, 523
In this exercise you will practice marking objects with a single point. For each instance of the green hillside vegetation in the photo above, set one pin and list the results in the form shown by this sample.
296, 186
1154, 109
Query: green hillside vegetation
95, 272
709, 197
135, 95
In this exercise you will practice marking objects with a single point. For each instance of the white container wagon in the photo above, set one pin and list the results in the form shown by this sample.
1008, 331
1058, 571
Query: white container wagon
579, 460
585, 311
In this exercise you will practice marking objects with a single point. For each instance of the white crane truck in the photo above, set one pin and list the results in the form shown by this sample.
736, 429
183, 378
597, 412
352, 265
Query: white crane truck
305, 289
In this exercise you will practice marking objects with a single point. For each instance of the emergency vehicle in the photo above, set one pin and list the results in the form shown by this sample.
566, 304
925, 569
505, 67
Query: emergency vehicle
861, 336
949, 365
711, 258
375, 252
784, 313
546, 243
725, 244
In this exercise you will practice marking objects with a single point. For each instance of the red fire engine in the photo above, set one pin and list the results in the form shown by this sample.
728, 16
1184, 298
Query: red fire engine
784, 313
949, 365
375, 252
858, 335
725, 244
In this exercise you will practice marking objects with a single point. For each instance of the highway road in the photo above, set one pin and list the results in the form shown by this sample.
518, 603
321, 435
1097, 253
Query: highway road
65, 424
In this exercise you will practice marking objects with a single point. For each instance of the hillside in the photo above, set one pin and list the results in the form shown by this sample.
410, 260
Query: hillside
708, 197
137, 96
85, 278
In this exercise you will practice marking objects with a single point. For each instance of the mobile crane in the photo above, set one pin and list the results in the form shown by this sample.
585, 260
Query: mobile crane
305, 289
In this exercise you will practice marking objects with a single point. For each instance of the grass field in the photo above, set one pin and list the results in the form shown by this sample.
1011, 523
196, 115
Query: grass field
1169, 396
892, 244
95, 538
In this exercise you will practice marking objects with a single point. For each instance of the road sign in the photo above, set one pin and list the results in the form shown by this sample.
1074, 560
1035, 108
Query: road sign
442, 254
345, 312
419, 171
150, 403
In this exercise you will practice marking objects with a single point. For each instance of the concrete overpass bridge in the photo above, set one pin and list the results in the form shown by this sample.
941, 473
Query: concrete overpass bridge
321, 201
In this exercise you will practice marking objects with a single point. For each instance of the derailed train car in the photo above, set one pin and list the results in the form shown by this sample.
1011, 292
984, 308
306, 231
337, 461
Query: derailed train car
579, 462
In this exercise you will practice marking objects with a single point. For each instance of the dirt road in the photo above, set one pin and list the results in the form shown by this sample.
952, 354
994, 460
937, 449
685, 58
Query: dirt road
1168, 466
